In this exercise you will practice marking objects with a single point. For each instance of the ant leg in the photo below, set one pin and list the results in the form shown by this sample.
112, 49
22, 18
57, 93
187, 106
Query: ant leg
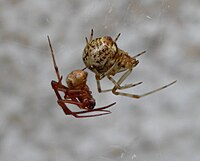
142, 95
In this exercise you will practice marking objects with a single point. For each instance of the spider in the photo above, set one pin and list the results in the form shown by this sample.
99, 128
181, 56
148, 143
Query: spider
76, 92
105, 59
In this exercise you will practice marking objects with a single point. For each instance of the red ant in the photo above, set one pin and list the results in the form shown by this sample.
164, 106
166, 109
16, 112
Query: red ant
76, 93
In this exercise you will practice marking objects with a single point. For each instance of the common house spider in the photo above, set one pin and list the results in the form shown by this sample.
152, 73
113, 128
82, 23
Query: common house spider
105, 59
76, 92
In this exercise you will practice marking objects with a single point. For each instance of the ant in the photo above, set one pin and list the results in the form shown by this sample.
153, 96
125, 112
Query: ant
76, 92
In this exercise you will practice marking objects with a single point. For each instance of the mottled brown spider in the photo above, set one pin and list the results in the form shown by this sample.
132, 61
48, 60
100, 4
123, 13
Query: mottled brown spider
76, 92
104, 58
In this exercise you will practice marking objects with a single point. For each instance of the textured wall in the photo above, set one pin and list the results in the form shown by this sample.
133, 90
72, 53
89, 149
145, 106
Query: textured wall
161, 127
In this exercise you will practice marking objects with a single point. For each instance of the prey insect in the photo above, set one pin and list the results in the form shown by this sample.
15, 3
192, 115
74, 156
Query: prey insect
76, 92
105, 59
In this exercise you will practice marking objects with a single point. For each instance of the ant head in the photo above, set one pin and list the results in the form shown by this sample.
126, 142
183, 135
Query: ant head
76, 78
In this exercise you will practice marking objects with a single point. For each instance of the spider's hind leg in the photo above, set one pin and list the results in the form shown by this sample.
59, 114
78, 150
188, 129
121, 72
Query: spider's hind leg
121, 79
142, 95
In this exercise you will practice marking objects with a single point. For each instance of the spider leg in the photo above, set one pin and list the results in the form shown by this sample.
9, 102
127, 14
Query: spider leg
71, 102
99, 76
58, 87
63, 89
73, 95
142, 95
100, 90
123, 77
117, 37
77, 114
117, 84
143, 52
67, 111
79, 104
99, 85
101, 109
91, 35
122, 87
54, 61
94, 115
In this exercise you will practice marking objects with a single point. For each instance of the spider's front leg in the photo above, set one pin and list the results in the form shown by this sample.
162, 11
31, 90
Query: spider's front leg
57, 86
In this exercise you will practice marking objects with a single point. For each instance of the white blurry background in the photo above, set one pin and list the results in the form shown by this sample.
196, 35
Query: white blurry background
161, 127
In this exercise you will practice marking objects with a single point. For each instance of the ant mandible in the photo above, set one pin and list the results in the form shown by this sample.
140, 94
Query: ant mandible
76, 92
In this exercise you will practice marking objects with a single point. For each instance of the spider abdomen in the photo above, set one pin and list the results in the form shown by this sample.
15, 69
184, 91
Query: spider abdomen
100, 54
